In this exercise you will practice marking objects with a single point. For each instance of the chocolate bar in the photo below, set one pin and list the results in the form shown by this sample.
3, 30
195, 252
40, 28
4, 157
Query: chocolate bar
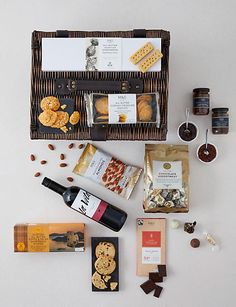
162, 270
155, 277
148, 286
157, 291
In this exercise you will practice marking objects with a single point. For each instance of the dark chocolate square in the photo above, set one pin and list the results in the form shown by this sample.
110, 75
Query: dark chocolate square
157, 291
162, 270
155, 277
148, 286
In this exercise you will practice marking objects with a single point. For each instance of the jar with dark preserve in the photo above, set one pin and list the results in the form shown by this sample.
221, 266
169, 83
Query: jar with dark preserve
220, 120
201, 101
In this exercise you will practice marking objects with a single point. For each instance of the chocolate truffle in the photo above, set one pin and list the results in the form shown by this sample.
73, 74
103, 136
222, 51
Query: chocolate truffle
195, 243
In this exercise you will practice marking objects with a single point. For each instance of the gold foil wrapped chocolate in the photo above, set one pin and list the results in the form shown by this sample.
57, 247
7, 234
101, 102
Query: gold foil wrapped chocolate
166, 178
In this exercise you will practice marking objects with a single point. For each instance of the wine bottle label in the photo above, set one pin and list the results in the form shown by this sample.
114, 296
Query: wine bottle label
89, 205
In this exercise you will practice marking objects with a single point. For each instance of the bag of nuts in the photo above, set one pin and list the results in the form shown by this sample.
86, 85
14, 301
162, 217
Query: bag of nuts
108, 171
166, 178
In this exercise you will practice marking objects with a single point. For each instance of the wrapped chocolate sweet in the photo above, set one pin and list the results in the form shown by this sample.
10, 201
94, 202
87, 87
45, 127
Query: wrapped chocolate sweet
166, 176
107, 171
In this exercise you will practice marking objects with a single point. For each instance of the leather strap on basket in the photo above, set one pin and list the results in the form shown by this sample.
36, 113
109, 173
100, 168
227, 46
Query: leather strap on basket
68, 86
98, 132
139, 33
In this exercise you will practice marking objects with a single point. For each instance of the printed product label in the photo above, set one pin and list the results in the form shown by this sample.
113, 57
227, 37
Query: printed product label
98, 166
220, 122
122, 108
38, 238
89, 205
167, 175
151, 247
201, 103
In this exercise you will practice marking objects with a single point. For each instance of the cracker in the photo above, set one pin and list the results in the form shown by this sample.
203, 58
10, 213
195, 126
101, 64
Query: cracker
62, 119
105, 265
98, 282
47, 118
50, 103
113, 285
74, 118
105, 249
141, 53
150, 60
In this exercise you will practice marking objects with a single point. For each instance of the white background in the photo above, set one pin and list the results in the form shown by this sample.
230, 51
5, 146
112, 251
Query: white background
203, 50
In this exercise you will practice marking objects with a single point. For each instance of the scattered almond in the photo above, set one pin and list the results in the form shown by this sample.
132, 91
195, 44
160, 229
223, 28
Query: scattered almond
51, 147
63, 165
70, 179
71, 145
43, 162
81, 146
32, 157
37, 174
62, 156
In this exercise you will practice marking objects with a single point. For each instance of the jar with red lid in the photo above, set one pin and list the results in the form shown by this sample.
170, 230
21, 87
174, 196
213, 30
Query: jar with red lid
201, 101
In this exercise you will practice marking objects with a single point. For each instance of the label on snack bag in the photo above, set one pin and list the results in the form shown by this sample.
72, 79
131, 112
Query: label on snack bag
98, 166
89, 205
122, 108
167, 174
151, 247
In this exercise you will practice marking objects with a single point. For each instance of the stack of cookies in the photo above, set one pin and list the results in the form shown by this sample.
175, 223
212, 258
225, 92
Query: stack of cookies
53, 117
144, 108
105, 265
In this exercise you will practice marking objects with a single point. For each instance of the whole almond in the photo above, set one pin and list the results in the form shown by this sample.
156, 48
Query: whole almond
71, 145
51, 147
70, 179
32, 157
63, 165
37, 174
43, 162
81, 146
62, 156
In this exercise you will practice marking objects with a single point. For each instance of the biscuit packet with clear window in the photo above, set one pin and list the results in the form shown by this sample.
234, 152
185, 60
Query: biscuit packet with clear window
108, 171
166, 178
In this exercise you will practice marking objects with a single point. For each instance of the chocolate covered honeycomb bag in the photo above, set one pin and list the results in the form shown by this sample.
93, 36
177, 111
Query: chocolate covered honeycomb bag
166, 178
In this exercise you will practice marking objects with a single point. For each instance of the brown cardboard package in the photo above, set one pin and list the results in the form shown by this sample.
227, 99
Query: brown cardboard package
151, 245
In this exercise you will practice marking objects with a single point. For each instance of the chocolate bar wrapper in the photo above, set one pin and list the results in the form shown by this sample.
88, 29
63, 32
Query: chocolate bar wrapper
107, 171
49, 237
114, 109
151, 244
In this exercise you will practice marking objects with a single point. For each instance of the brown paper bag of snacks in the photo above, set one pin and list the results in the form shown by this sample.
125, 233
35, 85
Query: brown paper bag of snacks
166, 178
108, 171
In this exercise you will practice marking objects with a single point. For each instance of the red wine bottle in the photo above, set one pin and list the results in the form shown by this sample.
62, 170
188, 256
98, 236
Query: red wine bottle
89, 205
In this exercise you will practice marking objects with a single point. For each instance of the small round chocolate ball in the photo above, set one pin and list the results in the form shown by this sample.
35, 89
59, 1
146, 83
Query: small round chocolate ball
195, 243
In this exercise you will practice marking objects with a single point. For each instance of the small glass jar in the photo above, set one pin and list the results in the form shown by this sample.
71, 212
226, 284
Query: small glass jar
201, 101
220, 120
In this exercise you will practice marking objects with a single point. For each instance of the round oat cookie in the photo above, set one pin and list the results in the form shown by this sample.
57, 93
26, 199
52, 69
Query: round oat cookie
62, 119
47, 118
74, 118
105, 249
105, 265
50, 103
101, 105
148, 98
98, 282
146, 113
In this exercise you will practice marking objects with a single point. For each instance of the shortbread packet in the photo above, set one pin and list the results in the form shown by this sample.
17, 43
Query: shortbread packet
166, 178
120, 109
108, 171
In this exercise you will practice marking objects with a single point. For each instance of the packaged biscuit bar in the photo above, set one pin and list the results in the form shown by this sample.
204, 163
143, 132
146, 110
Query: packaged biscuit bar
166, 178
49, 237
108, 171
122, 108
151, 244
